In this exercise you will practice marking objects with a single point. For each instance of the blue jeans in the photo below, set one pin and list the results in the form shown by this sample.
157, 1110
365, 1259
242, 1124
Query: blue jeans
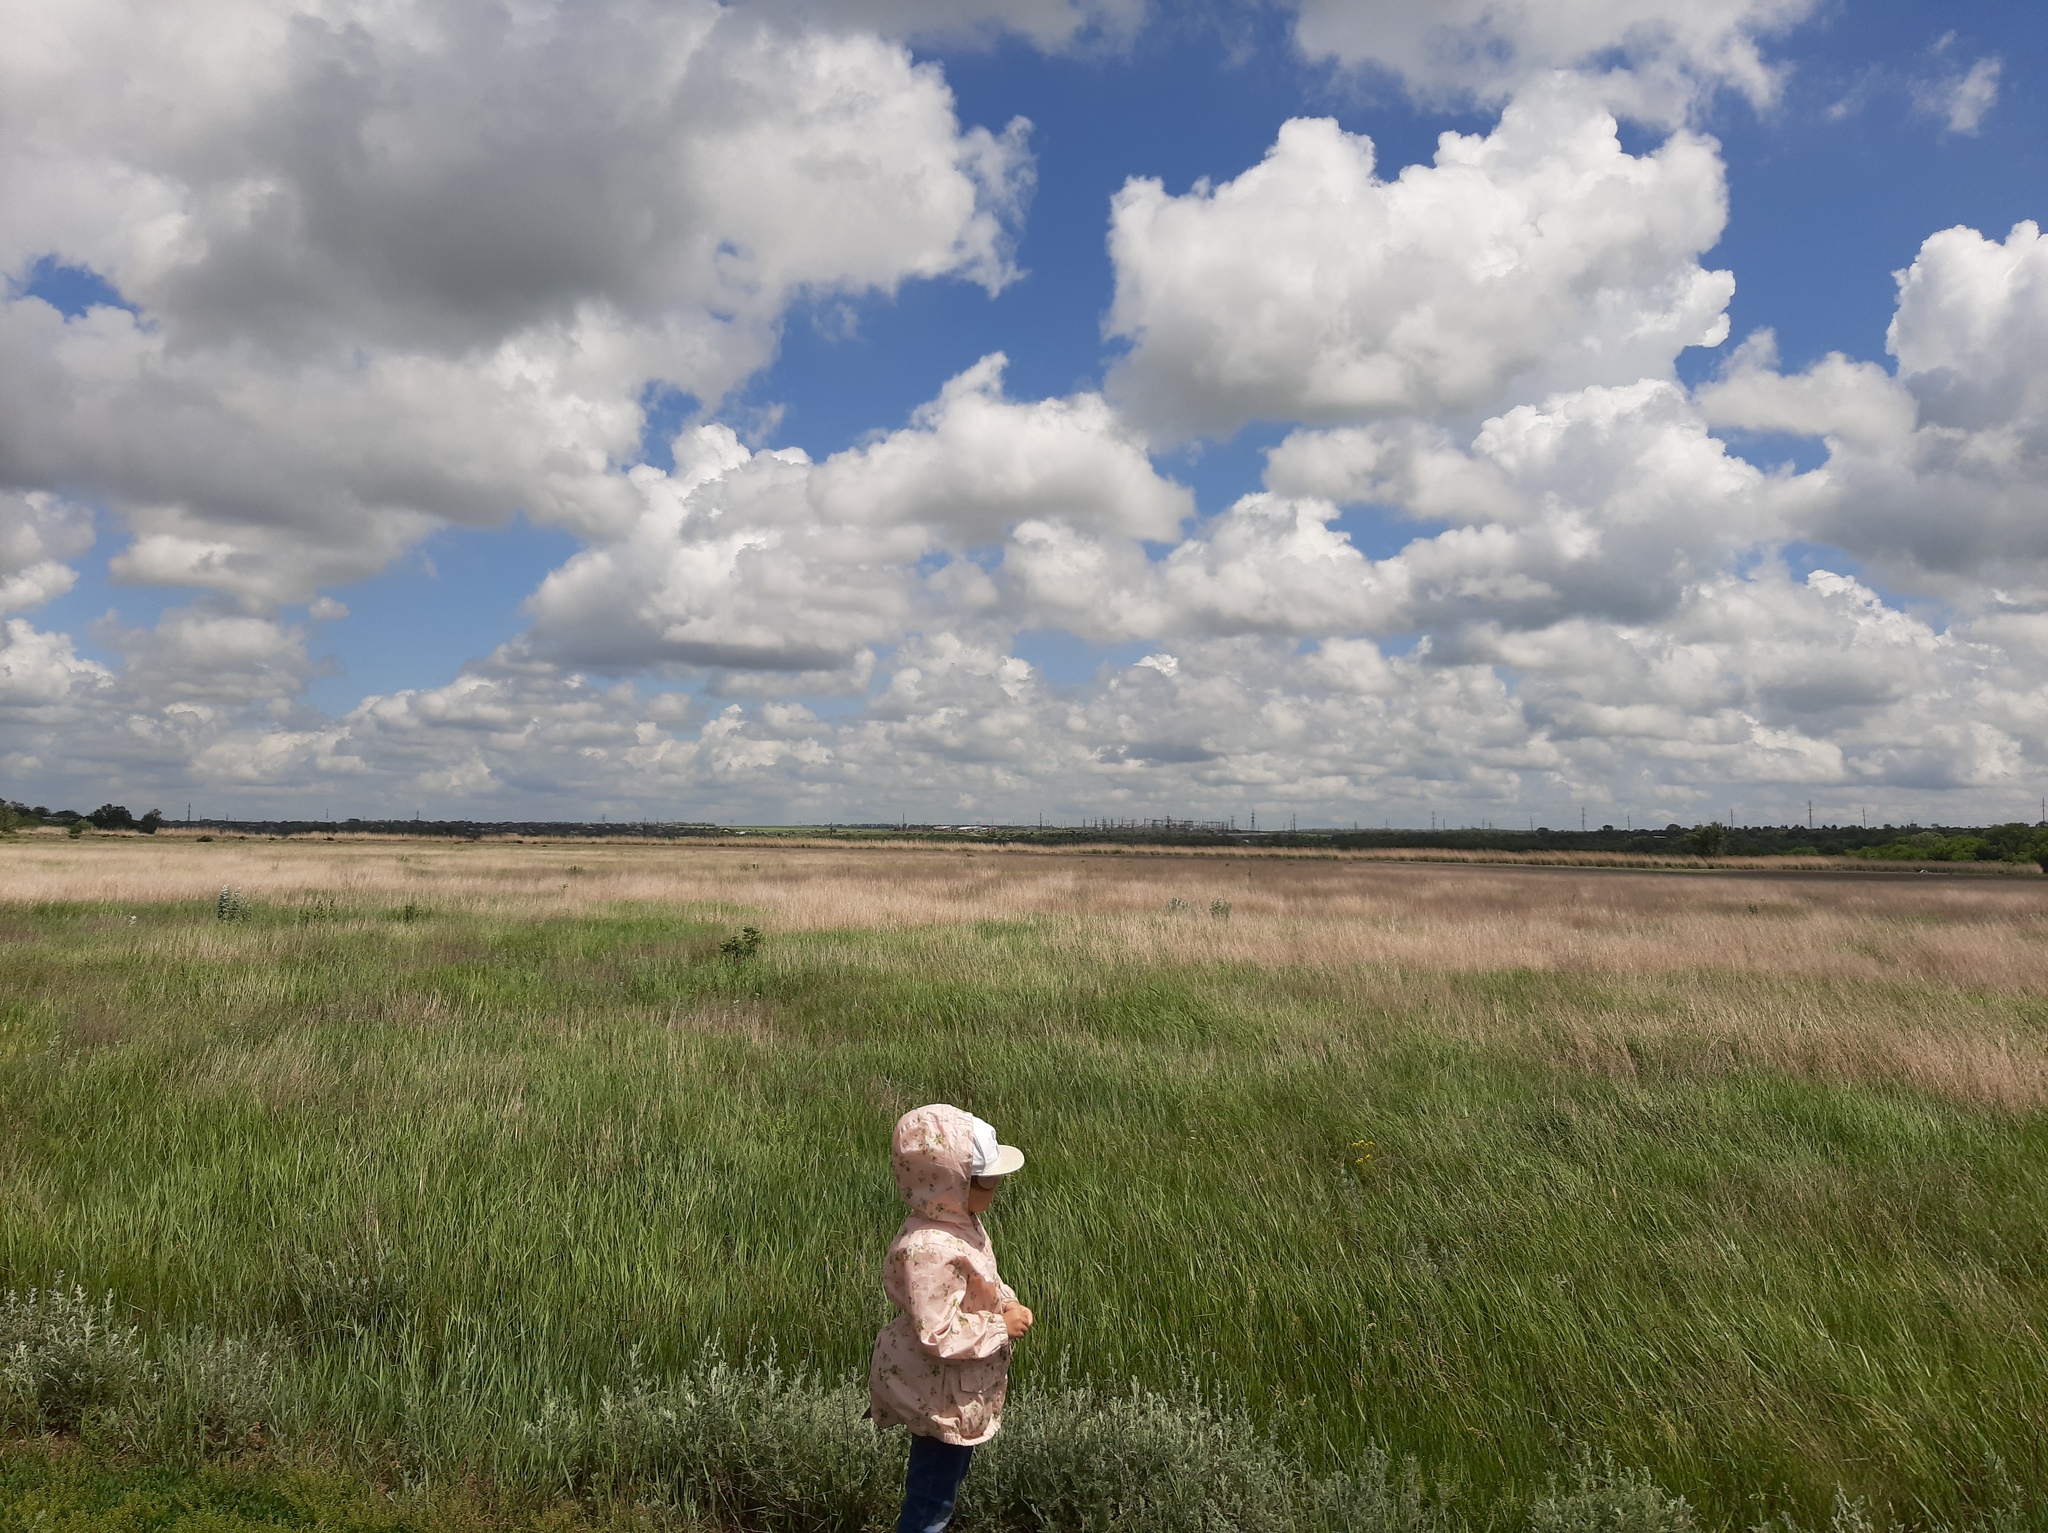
936, 1470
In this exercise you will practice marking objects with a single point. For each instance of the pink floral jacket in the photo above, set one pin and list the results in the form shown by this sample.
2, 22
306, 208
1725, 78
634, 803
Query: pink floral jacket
942, 1366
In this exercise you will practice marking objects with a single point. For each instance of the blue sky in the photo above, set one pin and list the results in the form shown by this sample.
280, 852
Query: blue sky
336, 505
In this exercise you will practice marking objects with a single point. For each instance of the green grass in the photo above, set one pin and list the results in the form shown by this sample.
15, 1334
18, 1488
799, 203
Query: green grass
462, 1163
59, 1492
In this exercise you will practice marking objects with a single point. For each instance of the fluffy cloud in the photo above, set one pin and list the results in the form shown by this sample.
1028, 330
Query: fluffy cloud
1052, 25
1794, 688
1605, 502
400, 264
1962, 427
1489, 47
39, 669
38, 532
1538, 257
768, 562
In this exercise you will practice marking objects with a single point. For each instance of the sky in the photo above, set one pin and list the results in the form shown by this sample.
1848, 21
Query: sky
1334, 411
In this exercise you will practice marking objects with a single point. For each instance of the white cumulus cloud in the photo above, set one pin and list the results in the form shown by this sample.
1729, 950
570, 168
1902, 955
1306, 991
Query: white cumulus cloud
1937, 475
1051, 25
1537, 257
768, 562
1661, 54
398, 264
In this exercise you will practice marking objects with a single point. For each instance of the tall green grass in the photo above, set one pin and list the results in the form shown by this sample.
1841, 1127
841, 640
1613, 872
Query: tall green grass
465, 1170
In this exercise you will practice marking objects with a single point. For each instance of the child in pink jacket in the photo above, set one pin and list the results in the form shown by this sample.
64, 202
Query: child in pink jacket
942, 1366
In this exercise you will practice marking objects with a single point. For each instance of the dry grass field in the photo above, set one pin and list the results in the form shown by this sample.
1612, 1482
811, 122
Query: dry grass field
1734, 1175
1364, 923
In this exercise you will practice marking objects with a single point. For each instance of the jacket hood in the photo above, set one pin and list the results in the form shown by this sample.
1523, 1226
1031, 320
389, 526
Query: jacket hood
933, 1152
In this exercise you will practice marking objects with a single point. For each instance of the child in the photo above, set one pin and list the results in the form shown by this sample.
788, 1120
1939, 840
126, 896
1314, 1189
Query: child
942, 1366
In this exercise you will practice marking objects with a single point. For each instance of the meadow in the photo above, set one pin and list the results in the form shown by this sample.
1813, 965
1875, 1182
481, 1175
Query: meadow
484, 1163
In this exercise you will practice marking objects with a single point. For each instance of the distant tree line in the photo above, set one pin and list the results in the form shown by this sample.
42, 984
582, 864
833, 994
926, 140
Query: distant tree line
2016, 842
14, 816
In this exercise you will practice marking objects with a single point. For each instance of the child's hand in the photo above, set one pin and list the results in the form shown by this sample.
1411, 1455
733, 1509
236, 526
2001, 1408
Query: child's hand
1017, 1320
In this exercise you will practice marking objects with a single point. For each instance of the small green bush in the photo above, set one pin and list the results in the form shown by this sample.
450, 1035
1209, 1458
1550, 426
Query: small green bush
64, 1357
1602, 1498
758, 1447
233, 905
739, 949
755, 1447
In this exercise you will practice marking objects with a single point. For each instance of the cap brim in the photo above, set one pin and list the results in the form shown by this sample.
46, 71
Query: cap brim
1009, 1159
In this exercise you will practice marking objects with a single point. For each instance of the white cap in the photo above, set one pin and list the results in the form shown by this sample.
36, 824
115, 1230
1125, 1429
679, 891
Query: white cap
992, 1158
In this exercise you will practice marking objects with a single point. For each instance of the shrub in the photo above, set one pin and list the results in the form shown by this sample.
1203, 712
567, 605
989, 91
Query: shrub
233, 905
1078, 1457
761, 1448
1220, 909
64, 1357
112, 817
739, 949
752, 1446
1604, 1499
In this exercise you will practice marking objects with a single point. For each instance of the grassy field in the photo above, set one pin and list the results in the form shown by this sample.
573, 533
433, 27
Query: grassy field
1740, 1179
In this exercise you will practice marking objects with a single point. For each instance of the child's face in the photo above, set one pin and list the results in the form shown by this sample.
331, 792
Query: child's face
981, 1191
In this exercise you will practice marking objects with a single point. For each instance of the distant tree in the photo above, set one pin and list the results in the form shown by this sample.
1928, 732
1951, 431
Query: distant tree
112, 817
151, 823
1709, 840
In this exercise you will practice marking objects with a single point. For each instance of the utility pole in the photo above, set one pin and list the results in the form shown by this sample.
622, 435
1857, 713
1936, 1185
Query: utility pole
1809, 814
1582, 819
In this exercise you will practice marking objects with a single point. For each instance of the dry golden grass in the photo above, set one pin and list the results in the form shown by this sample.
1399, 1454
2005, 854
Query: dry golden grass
1320, 910
1918, 981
